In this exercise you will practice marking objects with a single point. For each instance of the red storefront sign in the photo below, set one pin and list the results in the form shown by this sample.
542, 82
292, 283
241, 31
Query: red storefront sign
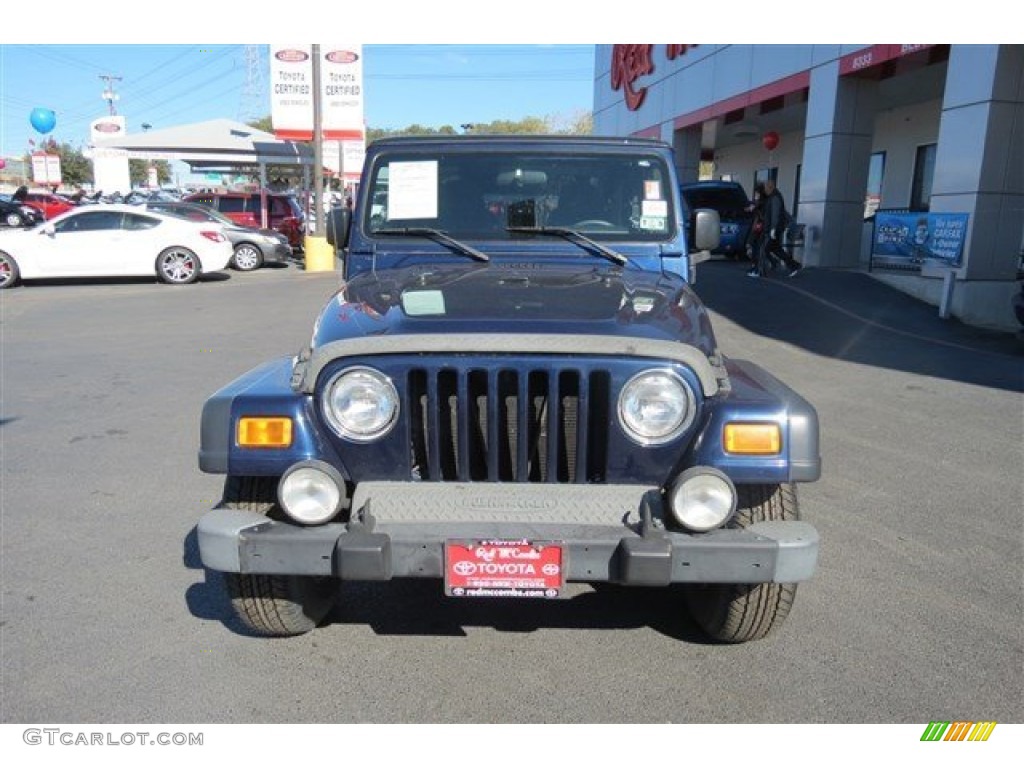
631, 62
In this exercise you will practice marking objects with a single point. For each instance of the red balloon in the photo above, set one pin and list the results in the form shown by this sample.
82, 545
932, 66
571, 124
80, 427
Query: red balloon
770, 140
3, 163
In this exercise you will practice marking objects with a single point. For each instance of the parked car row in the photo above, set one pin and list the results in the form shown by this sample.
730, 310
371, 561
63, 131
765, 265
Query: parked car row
252, 247
113, 240
283, 212
148, 234
24, 208
14, 213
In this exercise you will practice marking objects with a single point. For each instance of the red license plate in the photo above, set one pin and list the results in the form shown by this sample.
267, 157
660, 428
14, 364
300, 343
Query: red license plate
492, 568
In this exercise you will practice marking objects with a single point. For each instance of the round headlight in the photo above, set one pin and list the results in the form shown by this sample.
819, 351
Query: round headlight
311, 492
656, 407
702, 498
361, 404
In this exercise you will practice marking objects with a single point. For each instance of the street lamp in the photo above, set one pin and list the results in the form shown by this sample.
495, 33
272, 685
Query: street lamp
152, 177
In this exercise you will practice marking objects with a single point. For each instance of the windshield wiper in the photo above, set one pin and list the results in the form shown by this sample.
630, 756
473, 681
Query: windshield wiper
579, 237
438, 235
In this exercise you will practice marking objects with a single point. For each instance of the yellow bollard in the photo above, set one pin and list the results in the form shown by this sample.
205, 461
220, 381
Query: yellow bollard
319, 254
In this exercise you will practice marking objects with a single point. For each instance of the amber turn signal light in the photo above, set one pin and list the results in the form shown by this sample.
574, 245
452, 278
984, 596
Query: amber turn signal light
264, 432
755, 439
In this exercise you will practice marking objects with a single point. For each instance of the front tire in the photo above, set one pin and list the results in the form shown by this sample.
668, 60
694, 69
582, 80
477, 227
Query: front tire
9, 272
247, 257
737, 613
13, 219
177, 266
272, 605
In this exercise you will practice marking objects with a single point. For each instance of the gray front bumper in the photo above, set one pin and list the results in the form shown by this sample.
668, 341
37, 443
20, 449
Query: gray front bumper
625, 552
279, 253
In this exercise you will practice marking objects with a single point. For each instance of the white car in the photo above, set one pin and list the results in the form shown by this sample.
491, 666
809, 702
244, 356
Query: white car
113, 241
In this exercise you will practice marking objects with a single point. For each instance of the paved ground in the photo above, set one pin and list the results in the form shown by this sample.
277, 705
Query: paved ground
107, 615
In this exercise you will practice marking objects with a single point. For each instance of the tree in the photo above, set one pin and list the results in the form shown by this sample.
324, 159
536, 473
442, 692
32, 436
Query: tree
75, 168
265, 124
138, 171
579, 123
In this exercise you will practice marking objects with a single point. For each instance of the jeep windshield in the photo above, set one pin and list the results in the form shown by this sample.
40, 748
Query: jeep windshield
516, 195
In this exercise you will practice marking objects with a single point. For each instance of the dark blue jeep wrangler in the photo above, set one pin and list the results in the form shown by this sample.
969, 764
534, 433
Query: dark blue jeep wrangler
514, 388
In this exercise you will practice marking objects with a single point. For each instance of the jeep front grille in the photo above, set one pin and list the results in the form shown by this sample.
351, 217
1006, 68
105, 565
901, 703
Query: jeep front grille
502, 425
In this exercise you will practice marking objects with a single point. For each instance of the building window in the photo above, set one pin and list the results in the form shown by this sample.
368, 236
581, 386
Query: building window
876, 172
924, 171
763, 174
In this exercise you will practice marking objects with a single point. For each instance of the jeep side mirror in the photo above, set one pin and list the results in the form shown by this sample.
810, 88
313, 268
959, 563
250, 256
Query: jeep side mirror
48, 230
339, 223
706, 230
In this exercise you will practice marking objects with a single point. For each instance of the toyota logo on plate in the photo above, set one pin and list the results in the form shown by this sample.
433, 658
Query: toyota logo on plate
464, 568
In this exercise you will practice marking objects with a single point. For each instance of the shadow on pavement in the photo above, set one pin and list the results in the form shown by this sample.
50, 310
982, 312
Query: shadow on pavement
851, 316
412, 607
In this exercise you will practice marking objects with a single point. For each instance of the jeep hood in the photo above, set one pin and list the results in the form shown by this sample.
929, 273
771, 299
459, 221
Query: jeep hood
517, 298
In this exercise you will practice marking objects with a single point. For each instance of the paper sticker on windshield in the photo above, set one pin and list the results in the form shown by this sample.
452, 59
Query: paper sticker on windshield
416, 303
654, 223
652, 190
656, 208
412, 190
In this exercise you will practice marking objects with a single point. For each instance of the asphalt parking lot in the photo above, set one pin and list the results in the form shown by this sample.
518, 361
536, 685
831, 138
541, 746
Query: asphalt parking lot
915, 614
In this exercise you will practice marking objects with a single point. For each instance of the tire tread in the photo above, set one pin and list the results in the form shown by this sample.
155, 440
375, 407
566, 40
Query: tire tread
737, 613
272, 605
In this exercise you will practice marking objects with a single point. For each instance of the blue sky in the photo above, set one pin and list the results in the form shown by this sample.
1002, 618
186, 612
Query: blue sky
444, 62
166, 85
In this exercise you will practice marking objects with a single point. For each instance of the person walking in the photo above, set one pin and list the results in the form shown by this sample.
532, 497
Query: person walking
757, 238
776, 222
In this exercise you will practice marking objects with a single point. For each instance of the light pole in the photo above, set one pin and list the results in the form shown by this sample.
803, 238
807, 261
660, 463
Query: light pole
110, 95
319, 256
152, 178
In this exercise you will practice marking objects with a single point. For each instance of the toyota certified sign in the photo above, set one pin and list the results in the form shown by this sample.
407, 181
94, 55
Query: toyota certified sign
341, 92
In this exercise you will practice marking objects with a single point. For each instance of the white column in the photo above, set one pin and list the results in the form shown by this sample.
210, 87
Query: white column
979, 161
837, 151
686, 143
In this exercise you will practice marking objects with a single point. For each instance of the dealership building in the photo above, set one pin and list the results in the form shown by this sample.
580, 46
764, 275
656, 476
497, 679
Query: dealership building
905, 161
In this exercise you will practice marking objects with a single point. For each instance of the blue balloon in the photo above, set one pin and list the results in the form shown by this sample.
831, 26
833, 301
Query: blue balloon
42, 119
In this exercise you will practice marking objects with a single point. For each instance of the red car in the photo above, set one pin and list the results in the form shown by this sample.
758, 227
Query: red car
283, 211
48, 204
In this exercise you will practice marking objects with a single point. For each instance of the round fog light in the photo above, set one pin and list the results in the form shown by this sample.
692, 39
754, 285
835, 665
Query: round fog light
702, 498
311, 492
